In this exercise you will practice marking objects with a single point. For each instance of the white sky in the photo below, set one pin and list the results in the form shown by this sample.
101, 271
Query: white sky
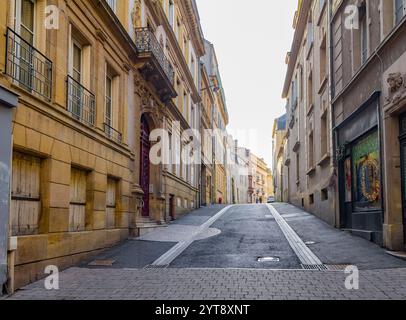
251, 39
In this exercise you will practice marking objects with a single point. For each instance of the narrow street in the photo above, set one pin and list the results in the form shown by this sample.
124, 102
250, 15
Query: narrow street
213, 254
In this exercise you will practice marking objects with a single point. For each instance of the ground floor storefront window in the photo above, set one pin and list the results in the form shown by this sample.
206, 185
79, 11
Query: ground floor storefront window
360, 173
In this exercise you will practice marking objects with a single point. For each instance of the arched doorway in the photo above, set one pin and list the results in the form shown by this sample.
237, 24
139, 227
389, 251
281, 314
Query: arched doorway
145, 147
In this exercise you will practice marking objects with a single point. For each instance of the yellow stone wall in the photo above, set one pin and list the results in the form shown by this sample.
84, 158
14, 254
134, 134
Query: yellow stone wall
46, 130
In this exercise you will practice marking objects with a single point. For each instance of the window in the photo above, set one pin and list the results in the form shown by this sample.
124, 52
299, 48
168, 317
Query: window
364, 39
171, 13
294, 93
25, 194
193, 67
111, 203
77, 62
310, 93
170, 162
323, 60
77, 207
24, 19
324, 194
108, 100
323, 135
111, 105
81, 102
311, 150
192, 117
185, 110
310, 32
311, 199
297, 167
178, 29
399, 10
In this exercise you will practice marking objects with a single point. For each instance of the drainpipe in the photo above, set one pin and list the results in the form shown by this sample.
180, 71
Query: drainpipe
333, 137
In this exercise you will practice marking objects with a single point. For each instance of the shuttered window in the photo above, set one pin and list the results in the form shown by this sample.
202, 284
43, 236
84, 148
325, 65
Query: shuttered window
25, 193
111, 203
77, 207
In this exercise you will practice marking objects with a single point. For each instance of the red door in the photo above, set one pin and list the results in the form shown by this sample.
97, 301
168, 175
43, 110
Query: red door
144, 165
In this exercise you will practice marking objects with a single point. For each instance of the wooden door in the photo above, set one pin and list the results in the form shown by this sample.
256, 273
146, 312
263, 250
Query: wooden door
145, 165
25, 194
111, 203
77, 207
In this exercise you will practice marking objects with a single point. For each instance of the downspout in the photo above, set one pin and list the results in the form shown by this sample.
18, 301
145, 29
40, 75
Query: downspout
333, 137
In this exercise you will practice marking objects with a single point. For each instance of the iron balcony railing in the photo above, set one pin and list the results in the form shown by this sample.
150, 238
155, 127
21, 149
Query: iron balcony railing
27, 66
81, 102
146, 42
112, 133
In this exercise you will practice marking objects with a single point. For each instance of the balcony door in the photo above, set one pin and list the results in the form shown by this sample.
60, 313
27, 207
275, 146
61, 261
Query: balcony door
76, 62
145, 147
23, 47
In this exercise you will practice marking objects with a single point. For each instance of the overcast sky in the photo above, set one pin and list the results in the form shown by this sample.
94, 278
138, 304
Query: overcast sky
251, 39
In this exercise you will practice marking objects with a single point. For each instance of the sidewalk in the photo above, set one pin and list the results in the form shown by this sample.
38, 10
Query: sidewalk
336, 247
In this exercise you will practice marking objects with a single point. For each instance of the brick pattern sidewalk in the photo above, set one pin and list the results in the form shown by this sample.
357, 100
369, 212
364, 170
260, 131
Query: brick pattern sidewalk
217, 284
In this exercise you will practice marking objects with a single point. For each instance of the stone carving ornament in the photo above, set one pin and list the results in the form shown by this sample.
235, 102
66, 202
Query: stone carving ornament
395, 82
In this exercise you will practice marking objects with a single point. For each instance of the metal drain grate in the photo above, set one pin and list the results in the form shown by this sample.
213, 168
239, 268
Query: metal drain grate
152, 266
337, 267
319, 267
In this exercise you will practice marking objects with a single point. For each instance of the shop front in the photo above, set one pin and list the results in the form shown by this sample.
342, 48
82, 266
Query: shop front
359, 155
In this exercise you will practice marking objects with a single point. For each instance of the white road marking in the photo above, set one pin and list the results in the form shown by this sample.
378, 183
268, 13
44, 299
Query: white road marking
305, 255
175, 251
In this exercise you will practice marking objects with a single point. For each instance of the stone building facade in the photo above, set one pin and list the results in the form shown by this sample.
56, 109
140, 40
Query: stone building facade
93, 82
219, 124
71, 167
308, 162
368, 117
353, 108
278, 151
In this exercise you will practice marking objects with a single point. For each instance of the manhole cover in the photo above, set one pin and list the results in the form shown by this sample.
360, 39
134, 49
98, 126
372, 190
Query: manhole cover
309, 243
102, 263
268, 259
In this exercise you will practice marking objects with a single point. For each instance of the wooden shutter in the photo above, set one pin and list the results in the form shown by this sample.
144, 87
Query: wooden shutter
111, 203
77, 208
25, 193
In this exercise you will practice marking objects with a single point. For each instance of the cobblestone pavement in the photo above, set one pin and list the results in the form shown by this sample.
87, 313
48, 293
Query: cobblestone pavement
224, 266
217, 284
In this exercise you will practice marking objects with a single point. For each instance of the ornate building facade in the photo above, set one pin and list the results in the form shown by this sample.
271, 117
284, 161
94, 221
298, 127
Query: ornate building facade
368, 118
97, 81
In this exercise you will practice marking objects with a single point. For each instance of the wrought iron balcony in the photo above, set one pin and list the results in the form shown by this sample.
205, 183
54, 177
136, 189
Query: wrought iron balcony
155, 67
81, 102
27, 66
112, 133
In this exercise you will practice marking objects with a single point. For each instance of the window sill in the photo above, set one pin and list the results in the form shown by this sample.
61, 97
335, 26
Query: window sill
324, 159
311, 171
310, 109
323, 84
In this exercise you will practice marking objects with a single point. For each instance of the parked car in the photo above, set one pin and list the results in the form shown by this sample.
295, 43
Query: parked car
271, 200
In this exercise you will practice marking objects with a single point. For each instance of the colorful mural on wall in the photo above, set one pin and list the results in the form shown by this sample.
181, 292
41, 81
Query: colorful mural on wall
366, 173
